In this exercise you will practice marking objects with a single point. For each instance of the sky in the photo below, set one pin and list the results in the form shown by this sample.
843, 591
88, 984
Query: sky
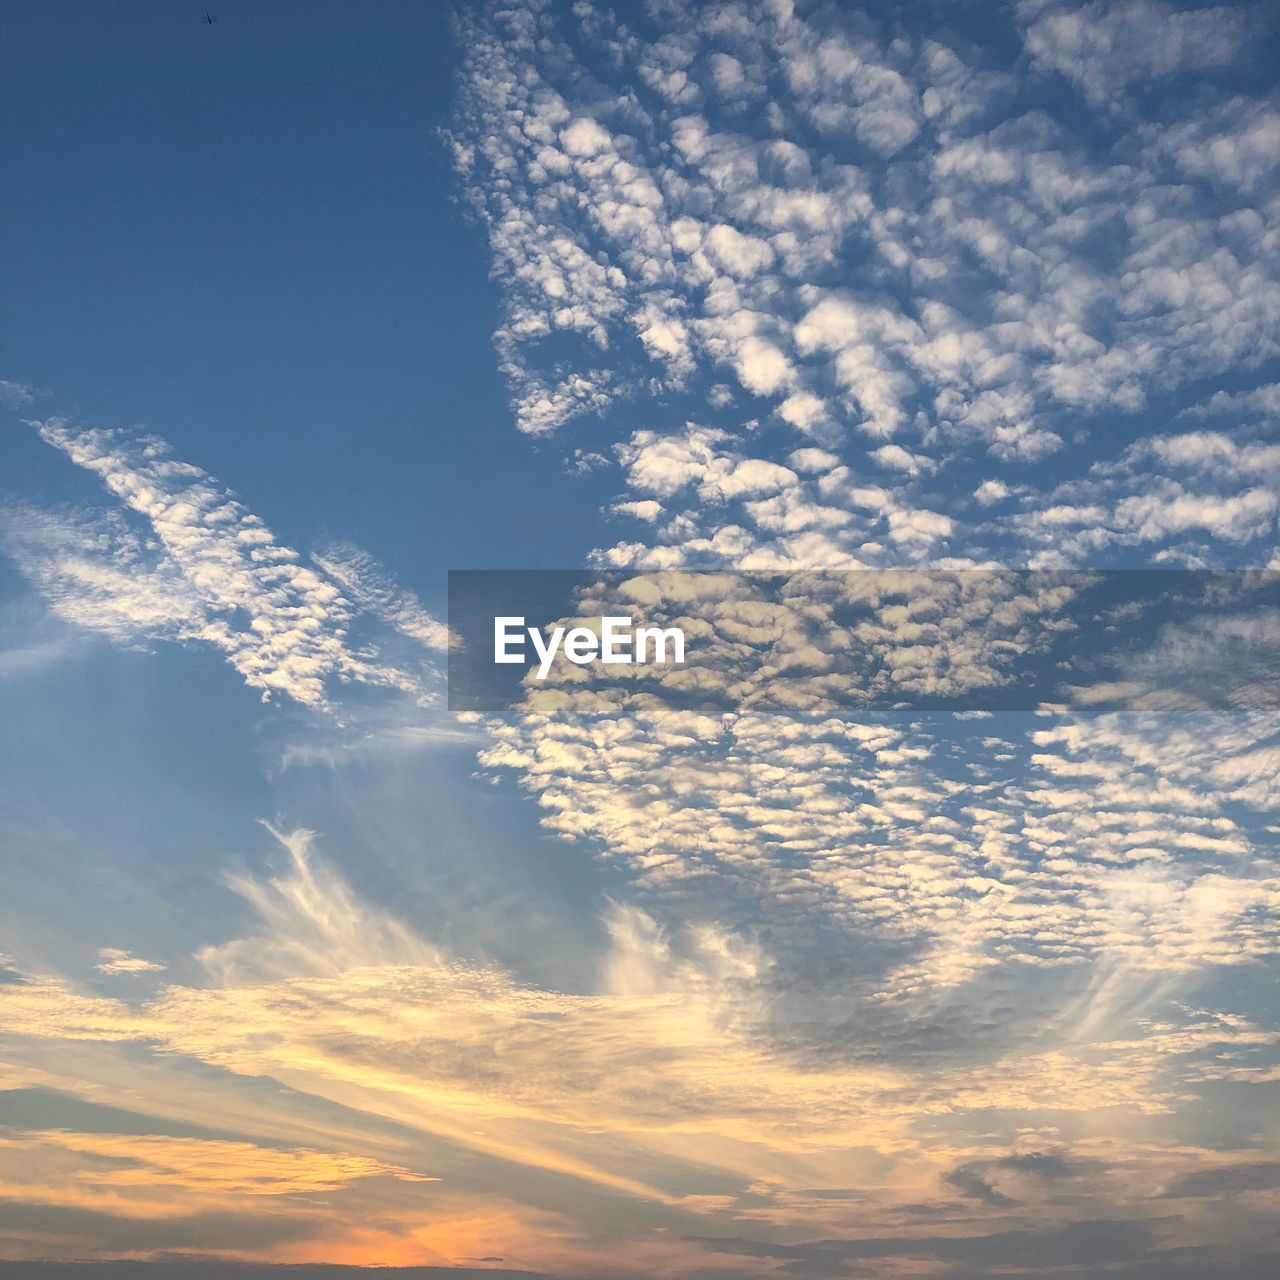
866, 342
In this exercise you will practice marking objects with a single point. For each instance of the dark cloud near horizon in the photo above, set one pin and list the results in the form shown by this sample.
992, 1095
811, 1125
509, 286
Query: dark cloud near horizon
1255, 1176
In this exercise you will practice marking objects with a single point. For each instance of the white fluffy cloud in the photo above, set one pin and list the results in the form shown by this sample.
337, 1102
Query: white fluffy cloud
1107, 45
861, 229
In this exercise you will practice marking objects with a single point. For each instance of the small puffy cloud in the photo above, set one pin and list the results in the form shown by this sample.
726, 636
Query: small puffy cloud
1239, 517
112, 960
804, 410
812, 460
907, 525
735, 253
585, 137
728, 76
897, 458
1261, 402
989, 492
752, 476
762, 368
663, 465
647, 509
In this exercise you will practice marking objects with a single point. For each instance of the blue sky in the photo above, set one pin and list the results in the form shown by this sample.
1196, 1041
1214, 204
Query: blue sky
309, 306
229, 222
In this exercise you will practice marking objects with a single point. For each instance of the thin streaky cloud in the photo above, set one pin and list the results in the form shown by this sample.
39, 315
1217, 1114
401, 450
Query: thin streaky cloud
200, 568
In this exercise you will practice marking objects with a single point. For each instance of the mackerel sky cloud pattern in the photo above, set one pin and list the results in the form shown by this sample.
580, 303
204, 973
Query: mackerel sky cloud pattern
704, 973
869, 235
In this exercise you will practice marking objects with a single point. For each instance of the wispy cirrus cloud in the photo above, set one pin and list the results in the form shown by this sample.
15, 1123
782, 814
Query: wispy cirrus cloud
114, 960
16, 394
195, 566
155, 1175
373, 590
597, 1093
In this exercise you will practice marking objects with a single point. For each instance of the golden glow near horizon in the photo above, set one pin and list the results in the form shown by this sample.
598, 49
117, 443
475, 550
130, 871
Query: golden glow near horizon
495, 1111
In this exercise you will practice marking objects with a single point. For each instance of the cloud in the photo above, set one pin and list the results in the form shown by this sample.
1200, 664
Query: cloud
719, 504
195, 566
371, 588
207, 1170
647, 509
1262, 402
900, 459
113, 960
16, 394
1235, 144
97, 572
1227, 1179
887, 301
991, 491
970, 1183
1104, 47
313, 923
653, 1086
927, 862
965, 281
1205, 484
